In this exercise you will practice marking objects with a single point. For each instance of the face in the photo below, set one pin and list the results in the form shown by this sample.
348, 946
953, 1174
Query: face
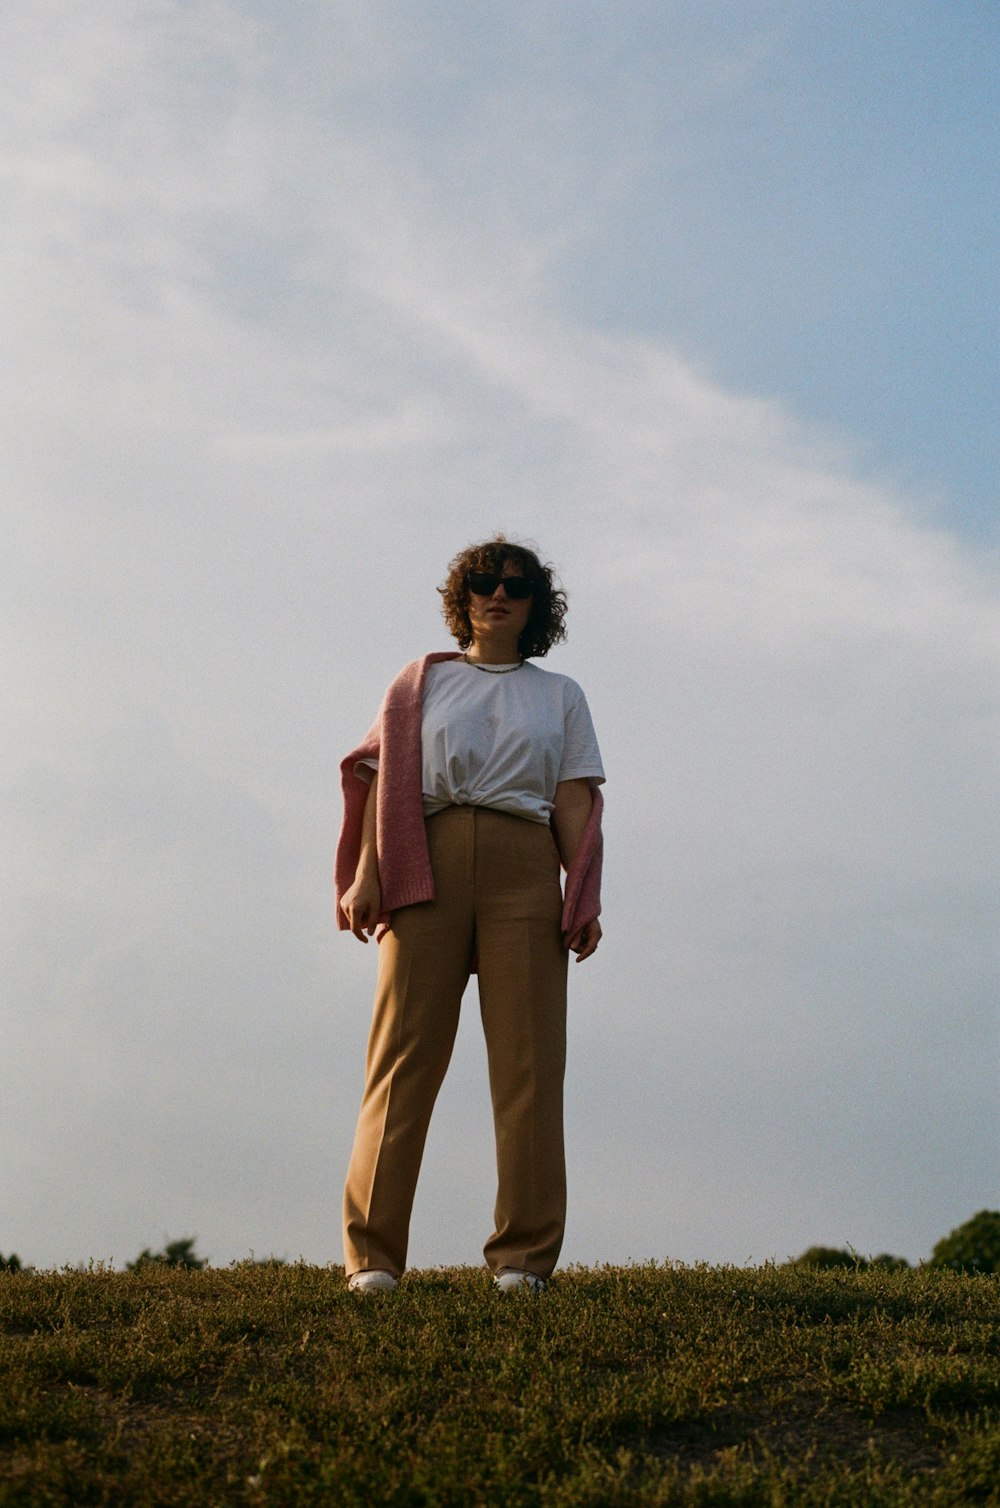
499, 619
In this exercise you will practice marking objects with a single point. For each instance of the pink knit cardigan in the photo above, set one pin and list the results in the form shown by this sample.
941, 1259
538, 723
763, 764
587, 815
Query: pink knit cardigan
401, 840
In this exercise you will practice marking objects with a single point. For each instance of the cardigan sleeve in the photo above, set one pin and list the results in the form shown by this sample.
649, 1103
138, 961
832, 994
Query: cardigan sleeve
394, 740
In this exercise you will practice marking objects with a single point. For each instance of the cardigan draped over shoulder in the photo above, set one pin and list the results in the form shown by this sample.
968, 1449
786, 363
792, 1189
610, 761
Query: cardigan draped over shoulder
400, 835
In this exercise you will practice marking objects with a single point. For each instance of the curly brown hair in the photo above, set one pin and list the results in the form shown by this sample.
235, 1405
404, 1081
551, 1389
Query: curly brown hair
546, 625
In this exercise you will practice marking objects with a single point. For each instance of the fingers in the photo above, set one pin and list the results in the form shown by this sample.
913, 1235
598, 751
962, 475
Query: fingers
583, 942
362, 906
363, 920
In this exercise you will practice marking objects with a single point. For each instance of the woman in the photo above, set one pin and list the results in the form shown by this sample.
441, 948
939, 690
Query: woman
479, 776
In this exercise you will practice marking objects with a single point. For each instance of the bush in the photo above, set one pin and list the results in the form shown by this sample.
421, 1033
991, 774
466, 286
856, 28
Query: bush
11, 1263
174, 1254
830, 1256
972, 1247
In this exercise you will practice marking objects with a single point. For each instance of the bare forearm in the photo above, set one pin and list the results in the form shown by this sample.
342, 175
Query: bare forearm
368, 855
362, 901
570, 814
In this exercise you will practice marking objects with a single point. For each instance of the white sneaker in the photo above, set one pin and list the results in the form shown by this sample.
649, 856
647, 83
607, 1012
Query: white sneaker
370, 1279
509, 1279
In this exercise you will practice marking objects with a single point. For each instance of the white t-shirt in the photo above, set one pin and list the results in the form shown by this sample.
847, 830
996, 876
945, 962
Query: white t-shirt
503, 741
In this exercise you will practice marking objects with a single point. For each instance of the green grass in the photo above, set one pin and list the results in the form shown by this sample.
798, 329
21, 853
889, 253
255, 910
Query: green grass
639, 1385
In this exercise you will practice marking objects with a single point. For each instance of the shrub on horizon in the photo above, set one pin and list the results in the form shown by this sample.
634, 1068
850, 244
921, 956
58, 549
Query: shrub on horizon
174, 1254
11, 1263
828, 1257
972, 1247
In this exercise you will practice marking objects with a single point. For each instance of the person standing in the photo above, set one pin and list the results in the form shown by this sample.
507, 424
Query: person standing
477, 784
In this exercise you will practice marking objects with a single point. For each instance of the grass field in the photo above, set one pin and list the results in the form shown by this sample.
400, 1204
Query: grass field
639, 1385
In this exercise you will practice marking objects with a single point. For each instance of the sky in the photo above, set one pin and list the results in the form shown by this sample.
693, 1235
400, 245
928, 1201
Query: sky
303, 299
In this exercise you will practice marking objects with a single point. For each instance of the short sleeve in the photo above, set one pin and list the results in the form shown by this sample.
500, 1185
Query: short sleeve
581, 755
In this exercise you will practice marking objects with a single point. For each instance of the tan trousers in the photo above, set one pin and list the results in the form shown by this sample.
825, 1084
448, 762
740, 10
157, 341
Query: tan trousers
497, 895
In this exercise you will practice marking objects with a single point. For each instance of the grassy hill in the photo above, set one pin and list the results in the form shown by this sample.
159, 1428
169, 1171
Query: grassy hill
640, 1385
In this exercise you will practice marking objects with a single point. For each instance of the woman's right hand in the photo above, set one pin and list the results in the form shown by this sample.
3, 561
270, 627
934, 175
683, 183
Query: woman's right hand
362, 905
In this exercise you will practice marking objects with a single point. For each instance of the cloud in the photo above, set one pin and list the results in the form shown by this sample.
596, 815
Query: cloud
271, 376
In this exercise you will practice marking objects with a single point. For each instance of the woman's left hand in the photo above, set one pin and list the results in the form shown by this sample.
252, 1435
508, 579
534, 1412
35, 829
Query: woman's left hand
584, 940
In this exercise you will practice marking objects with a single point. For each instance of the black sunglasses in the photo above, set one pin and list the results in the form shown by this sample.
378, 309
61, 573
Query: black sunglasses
484, 584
